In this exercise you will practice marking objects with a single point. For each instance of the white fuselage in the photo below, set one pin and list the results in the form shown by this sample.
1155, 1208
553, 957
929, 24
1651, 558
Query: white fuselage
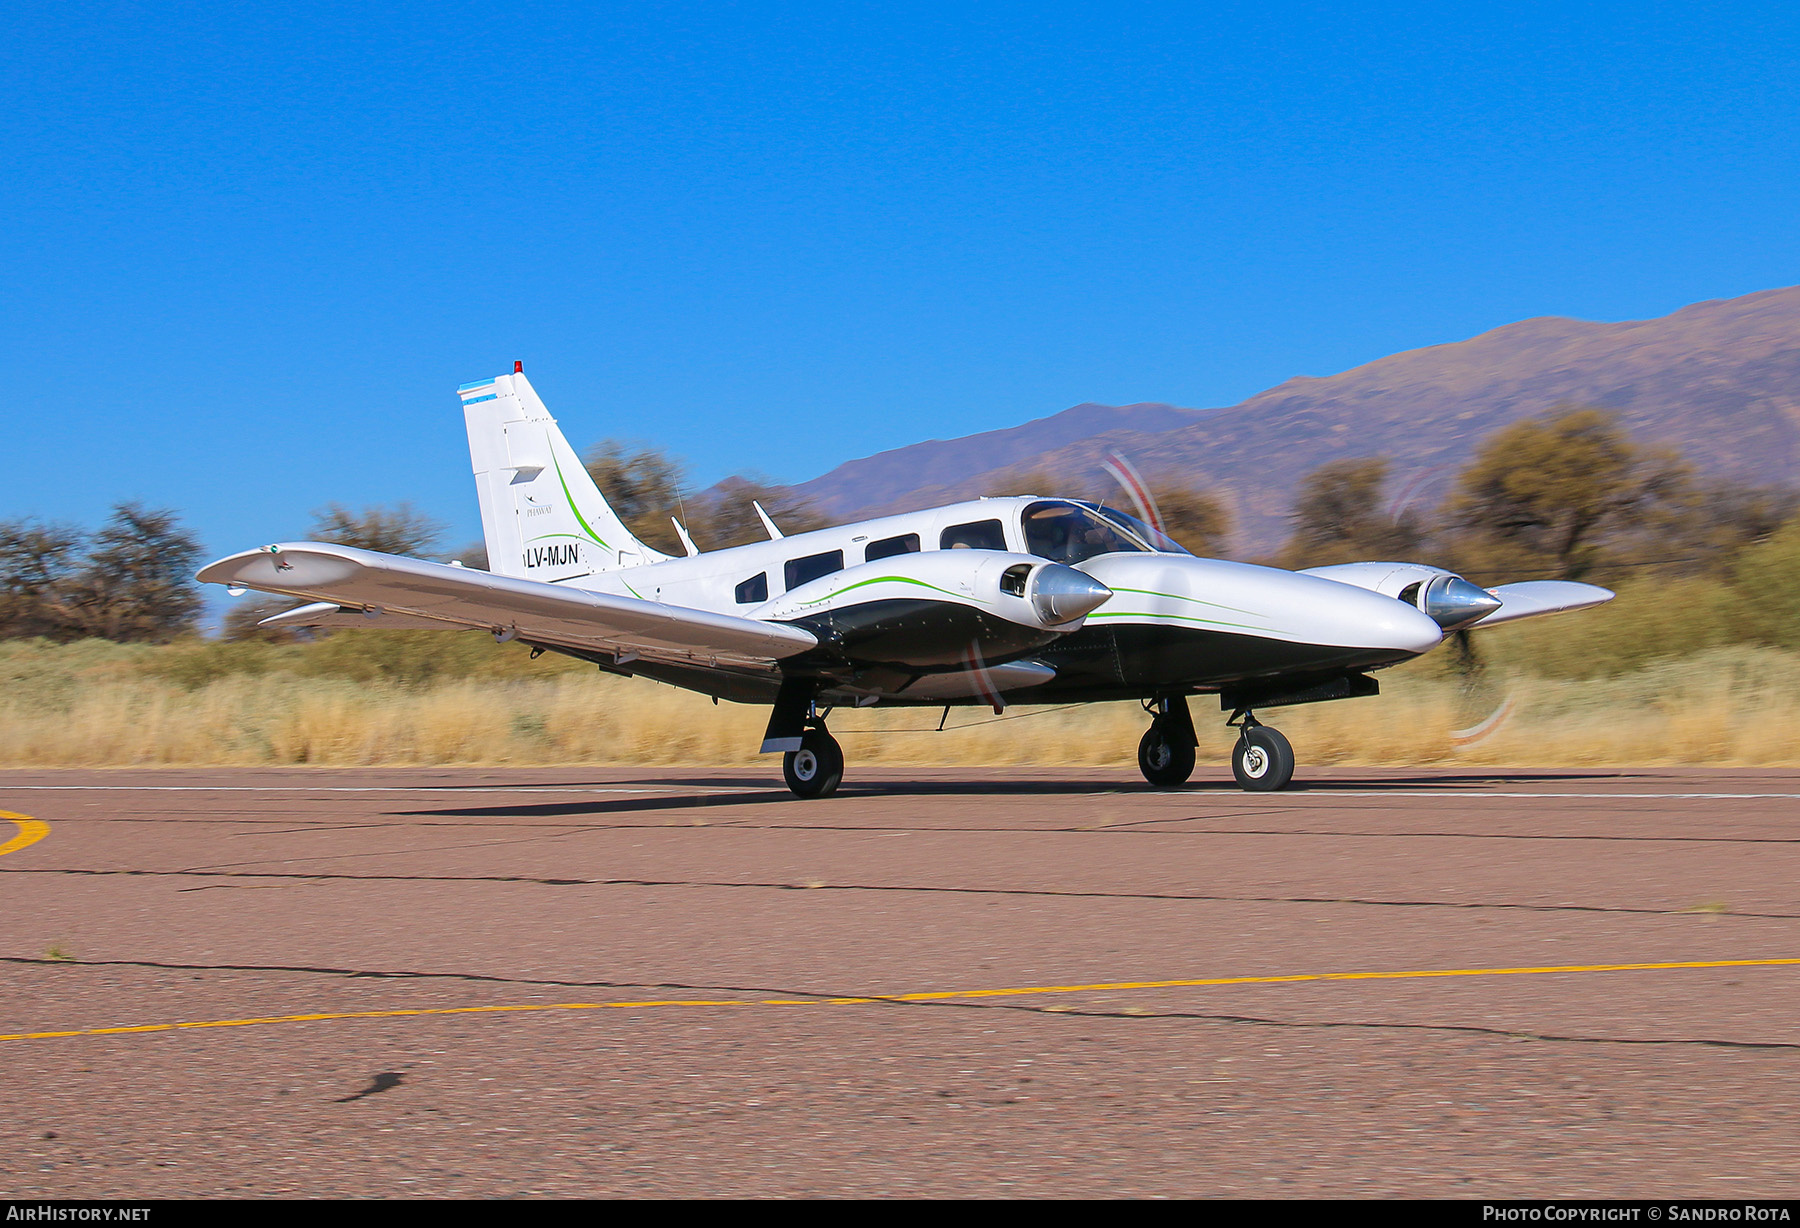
1172, 620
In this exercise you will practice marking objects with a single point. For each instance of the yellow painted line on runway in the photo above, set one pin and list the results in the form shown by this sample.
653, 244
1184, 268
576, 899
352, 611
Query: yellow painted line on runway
946, 995
30, 832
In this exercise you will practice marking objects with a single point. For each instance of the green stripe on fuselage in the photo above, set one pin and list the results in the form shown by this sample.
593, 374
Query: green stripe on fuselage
1150, 592
849, 588
1186, 618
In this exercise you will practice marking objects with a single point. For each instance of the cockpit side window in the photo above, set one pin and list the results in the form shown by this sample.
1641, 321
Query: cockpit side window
976, 535
1070, 533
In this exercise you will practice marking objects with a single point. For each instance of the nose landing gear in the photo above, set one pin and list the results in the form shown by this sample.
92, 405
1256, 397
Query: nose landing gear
1262, 760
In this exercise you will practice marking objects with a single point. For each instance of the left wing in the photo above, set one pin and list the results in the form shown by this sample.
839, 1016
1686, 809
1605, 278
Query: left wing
410, 592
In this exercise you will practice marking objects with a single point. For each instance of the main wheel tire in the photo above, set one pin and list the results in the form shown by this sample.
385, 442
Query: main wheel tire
816, 769
1164, 761
1262, 760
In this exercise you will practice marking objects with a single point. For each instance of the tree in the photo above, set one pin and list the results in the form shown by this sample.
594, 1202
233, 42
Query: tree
1709, 527
138, 581
1551, 494
1037, 482
38, 568
727, 518
642, 484
400, 529
1339, 517
1193, 517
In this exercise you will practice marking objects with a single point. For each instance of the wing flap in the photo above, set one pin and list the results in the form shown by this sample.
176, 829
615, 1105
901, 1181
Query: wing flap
331, 614
448, 597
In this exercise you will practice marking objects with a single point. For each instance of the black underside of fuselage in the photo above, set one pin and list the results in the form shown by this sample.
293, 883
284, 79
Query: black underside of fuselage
882, 645
1126, 661
915, 637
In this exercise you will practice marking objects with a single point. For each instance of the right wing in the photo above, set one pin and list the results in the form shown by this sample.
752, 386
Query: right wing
1530, 598
397, 591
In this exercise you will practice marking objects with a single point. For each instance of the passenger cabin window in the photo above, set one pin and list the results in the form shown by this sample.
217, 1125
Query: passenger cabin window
799, 571
755, 590
888, 547
977, 535
1070, 533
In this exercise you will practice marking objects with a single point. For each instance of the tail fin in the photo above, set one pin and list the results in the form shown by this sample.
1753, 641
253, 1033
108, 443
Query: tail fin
541, 513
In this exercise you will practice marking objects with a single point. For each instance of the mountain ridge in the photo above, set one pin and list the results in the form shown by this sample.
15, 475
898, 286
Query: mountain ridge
1719, 380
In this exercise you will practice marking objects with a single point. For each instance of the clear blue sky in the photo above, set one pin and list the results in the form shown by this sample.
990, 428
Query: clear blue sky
247, 254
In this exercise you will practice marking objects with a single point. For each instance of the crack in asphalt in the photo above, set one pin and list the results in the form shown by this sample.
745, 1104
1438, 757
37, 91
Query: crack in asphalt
547, 834
1134, 1014
1346, 1024
1127, 829
411, 975
1036, 892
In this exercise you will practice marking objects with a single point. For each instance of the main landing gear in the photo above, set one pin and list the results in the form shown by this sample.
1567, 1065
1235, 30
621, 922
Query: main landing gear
817, 768
811, 761
1262, 760
1166, 751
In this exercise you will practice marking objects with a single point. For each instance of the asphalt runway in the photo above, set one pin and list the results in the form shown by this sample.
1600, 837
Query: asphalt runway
1031, 982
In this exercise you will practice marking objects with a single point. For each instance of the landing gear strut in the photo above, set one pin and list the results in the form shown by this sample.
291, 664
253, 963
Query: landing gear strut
1166, 752
811, 760
1262, 760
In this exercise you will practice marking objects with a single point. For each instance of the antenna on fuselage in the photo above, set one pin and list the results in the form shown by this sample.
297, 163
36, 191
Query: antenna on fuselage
775, 534
687, 543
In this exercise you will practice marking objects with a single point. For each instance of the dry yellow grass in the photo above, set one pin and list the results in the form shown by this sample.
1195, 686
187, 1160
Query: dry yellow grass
1728, 706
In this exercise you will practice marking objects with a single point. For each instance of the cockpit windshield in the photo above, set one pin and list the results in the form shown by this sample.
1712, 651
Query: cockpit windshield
1070, 533
1156, 539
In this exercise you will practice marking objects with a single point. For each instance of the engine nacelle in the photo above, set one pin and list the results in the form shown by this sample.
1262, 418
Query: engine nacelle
1443, 596
941, 607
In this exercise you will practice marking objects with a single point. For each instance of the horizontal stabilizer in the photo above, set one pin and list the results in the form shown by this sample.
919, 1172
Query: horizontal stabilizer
1530, 598
450, 597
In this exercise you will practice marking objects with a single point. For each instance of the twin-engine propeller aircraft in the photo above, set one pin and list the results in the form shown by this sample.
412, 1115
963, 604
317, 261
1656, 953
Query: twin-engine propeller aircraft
1023, 599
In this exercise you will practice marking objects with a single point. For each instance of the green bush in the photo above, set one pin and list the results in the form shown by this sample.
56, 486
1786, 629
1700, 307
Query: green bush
49, 675
1650, 620
1767, 580
194, 663
419, 657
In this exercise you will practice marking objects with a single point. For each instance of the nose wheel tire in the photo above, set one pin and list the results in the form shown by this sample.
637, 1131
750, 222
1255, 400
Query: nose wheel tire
1165, 761
1262, 760
816, 769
